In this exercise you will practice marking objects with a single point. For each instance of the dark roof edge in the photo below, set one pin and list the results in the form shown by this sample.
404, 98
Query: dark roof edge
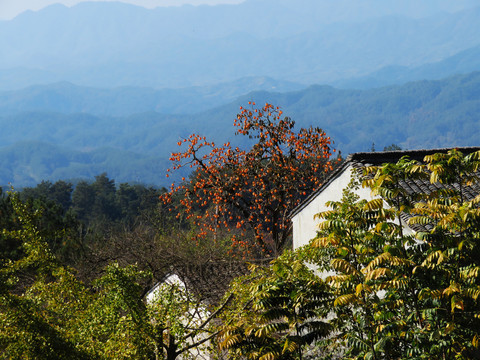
333, 175
382, 157
375, 158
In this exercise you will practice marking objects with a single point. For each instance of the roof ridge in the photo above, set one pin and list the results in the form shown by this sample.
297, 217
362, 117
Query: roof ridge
375, 158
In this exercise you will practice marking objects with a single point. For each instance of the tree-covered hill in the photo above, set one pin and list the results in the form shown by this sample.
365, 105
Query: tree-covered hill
420, 114
463, 62
27, 163
65, 97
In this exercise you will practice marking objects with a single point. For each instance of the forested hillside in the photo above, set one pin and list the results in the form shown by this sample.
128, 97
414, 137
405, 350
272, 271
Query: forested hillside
421, 114
66, 97
51, 145
462, 63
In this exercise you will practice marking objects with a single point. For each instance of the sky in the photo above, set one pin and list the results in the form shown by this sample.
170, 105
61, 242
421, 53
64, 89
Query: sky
11, 8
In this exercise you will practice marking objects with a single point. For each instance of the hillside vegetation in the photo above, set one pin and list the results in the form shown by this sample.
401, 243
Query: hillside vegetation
50, 145
66, 97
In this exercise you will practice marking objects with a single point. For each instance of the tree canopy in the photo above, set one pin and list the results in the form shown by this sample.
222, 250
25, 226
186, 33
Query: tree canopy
46, 312
390, 293
252, 190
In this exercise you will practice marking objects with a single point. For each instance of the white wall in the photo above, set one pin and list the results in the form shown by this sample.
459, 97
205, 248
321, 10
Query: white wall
304, 224
194, 317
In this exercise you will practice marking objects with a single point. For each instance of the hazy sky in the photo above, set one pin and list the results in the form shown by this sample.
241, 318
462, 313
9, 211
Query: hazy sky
11, 8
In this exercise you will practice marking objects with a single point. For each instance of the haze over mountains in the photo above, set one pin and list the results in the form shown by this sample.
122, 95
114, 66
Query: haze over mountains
66, 97
422, 114
109, 44
111, 87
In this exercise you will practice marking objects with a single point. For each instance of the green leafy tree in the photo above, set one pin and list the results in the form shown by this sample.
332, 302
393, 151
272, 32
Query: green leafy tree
278, 313
392, 147
83, 198
59, 192
47, 313
351, 237
28, 328
452, 253
104, 206
137, 202
402, 295
9, 246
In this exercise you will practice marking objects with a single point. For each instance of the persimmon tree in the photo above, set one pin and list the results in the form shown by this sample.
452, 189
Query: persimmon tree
251, 191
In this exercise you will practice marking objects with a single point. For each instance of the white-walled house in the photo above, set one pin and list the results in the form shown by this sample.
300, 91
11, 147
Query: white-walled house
202, 287
303, 221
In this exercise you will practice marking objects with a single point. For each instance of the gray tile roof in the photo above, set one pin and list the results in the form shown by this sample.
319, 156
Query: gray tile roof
210, 280
362, 159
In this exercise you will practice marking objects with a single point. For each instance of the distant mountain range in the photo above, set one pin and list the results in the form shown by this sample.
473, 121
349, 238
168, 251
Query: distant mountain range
49, 144
107, 86
462, 63
109, 44
67, 98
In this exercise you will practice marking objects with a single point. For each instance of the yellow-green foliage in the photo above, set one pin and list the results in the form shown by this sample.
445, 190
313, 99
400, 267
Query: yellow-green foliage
399, 296
277, 311
50, 314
